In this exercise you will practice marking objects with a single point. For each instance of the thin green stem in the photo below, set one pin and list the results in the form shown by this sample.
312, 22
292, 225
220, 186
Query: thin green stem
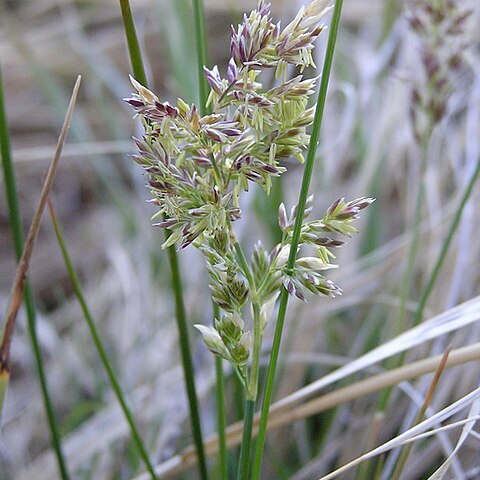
184, 341
244, 464
221, 416
243, 261
251, 383
9, 178
52, 422
187, 363
379, 468
241, 375
221, 419
99, 344
201, 42
307, 176
257, 345
216, 172
15, 222
132, 43
445, 246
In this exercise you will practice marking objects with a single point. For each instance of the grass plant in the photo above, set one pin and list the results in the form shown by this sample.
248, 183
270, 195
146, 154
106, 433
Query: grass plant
190, 172
229, 139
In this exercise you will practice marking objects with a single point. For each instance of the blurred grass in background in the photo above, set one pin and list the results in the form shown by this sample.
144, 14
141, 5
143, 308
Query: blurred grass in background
367, 148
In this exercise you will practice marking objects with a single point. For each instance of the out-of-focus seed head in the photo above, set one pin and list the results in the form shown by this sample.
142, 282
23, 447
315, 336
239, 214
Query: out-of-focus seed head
440, 28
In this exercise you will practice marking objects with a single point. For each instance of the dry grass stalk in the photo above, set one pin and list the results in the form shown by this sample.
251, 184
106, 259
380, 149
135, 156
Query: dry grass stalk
185, 460
402, 460
16, 294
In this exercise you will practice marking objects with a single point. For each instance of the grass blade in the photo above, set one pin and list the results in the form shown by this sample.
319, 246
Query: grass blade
132, 43
307, 175
139, 73
201, 53
99, 344
442, 324
408, 436
176, 23
9, 323
468, 425
446, 245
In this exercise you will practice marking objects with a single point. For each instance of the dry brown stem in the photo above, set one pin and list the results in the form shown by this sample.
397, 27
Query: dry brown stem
16, 293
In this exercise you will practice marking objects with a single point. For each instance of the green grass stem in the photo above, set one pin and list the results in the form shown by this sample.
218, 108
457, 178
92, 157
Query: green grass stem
178, 35
16, 228
9, 179
201, 43
221, 415
244, 462
307, 176
99, 345
177, 284
445, 246
221, 419
132, 43
16, 293
187, 361
411, 257
251, 396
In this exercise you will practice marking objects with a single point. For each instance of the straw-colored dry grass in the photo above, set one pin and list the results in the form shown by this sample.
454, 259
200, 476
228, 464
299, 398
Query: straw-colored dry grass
367, 147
